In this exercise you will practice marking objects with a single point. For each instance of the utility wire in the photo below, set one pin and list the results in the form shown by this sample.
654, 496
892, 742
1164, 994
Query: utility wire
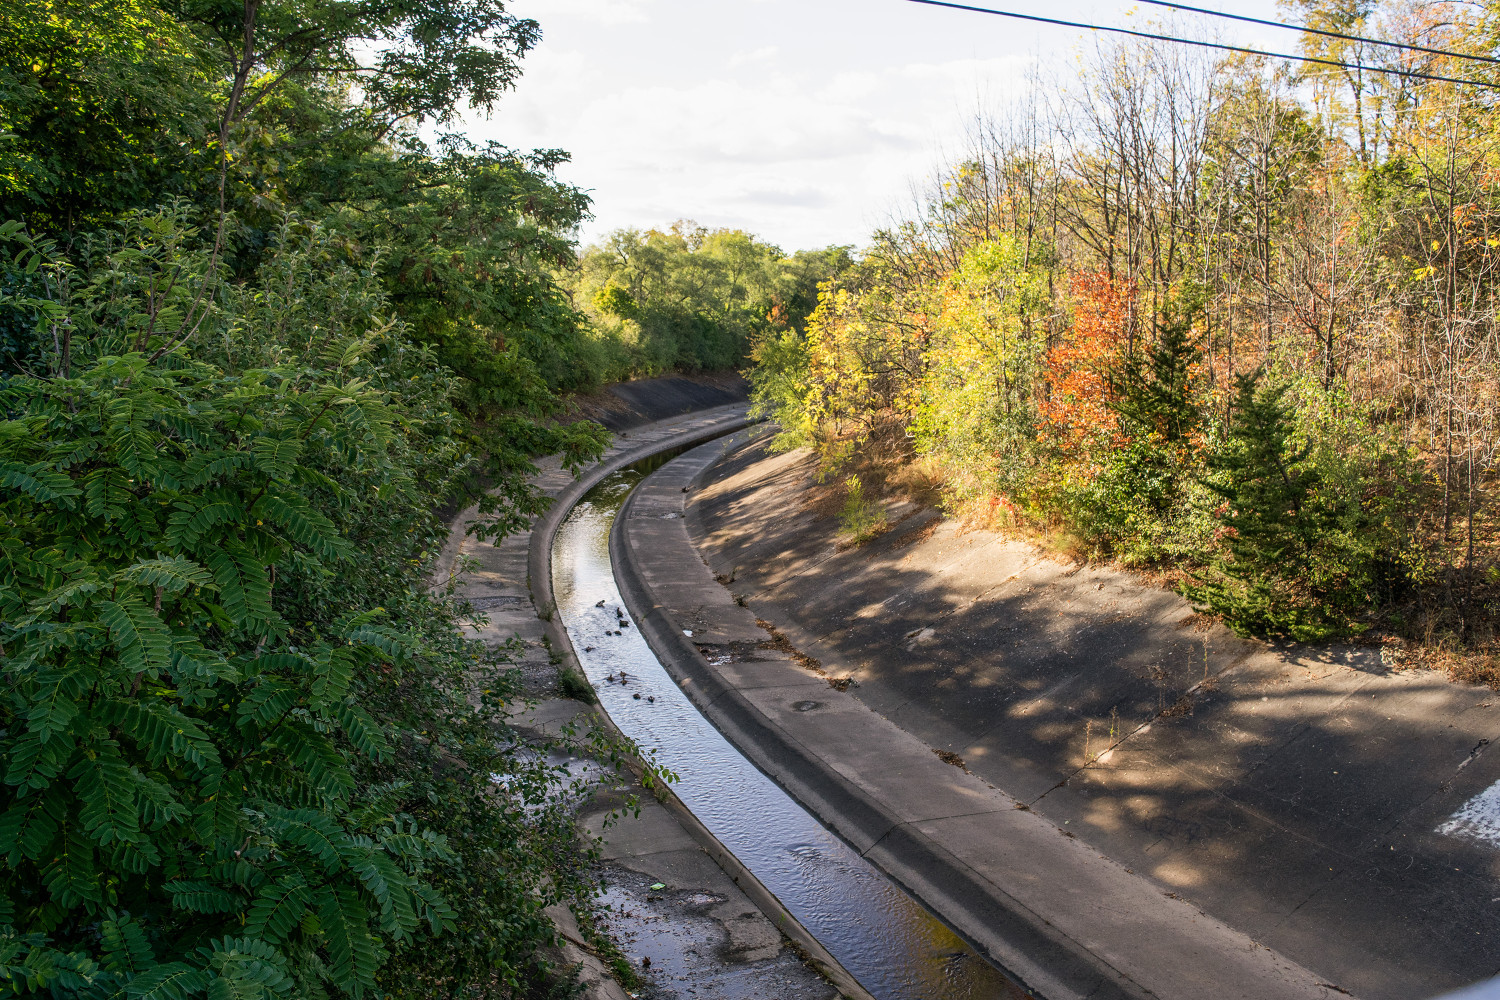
1320, 31
1208, 45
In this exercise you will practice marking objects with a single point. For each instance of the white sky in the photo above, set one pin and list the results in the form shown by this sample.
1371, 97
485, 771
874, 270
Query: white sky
803, 121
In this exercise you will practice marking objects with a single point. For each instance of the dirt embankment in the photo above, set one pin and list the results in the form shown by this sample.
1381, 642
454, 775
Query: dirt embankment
1338, 808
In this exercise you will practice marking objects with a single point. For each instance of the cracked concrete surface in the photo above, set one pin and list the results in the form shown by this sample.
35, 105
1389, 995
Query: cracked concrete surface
1066, 920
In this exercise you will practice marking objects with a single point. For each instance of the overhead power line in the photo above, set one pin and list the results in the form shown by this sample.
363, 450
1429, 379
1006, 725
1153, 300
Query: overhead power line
1339, 63
1319, 31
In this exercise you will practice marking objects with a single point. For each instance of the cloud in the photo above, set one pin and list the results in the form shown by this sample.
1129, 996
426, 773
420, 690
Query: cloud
763, 54
969, 71
597, 11
804, 198
804, 142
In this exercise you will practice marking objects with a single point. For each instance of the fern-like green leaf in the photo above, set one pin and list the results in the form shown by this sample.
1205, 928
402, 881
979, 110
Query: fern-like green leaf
29, 828
40, 483
391, 888
332, 671
190, 522
130, 440
172, 981
268, 702
434, 908
185, 427
386, 640
191, 659
162, 732
317, 758
244, 587
279, 663
248, 967
206, 466
275, 456
219, 815
126, 949
222, 988
306, 526
139, 635
108, 494
197, 896
72, 876
353, 953
54, 703
314, 832
174, 574
69, 452
363, 731
106, 793
74, 593
308, 476
278, 908
158, 805
33, 764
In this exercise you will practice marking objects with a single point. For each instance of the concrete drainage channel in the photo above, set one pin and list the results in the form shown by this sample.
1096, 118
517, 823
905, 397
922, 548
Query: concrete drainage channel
828, 897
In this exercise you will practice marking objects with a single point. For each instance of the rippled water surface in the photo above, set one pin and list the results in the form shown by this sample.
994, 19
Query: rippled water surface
886, 940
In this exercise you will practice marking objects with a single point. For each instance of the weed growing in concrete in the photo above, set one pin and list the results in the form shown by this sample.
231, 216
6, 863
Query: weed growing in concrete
572, 684
862, 519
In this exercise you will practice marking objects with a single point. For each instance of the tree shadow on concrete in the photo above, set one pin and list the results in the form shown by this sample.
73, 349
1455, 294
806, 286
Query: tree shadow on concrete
1292, 791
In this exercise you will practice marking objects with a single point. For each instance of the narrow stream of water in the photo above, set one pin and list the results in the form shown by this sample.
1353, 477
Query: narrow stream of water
886, 940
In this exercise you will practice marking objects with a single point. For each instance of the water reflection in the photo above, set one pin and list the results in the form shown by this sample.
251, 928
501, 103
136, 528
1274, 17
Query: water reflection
894, 947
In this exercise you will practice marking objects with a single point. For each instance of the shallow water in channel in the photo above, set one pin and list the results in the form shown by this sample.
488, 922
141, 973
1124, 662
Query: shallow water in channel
894, 947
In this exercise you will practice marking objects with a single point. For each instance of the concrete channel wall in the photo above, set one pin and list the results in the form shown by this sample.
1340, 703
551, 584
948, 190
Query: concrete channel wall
1060, 916
1337, 802
512, 581
711, 424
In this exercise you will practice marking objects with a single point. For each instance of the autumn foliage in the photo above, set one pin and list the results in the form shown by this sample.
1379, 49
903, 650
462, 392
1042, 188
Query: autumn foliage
1136, 306
1076, 412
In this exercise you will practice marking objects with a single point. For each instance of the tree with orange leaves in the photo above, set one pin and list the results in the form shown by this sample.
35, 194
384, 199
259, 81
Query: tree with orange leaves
1077, 411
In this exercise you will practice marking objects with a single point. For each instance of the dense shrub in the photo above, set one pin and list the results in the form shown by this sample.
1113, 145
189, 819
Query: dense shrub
245, 752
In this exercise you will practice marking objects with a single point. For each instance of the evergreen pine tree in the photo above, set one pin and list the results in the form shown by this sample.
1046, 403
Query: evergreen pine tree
1276, 523
1155, 391
1157, 399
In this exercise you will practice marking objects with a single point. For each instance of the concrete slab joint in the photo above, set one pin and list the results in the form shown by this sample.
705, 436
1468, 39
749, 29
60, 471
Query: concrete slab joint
1054, 912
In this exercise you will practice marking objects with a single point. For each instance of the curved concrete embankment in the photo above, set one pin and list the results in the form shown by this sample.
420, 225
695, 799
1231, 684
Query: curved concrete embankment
1338, 803
1063, 918
707, 425
495, 579
625, 406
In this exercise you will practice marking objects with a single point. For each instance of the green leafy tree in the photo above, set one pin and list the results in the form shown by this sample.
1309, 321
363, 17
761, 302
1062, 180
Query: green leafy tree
1156, 391
104, 108
472, 240
694, 298
1157, 395
178, 759
238, 752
